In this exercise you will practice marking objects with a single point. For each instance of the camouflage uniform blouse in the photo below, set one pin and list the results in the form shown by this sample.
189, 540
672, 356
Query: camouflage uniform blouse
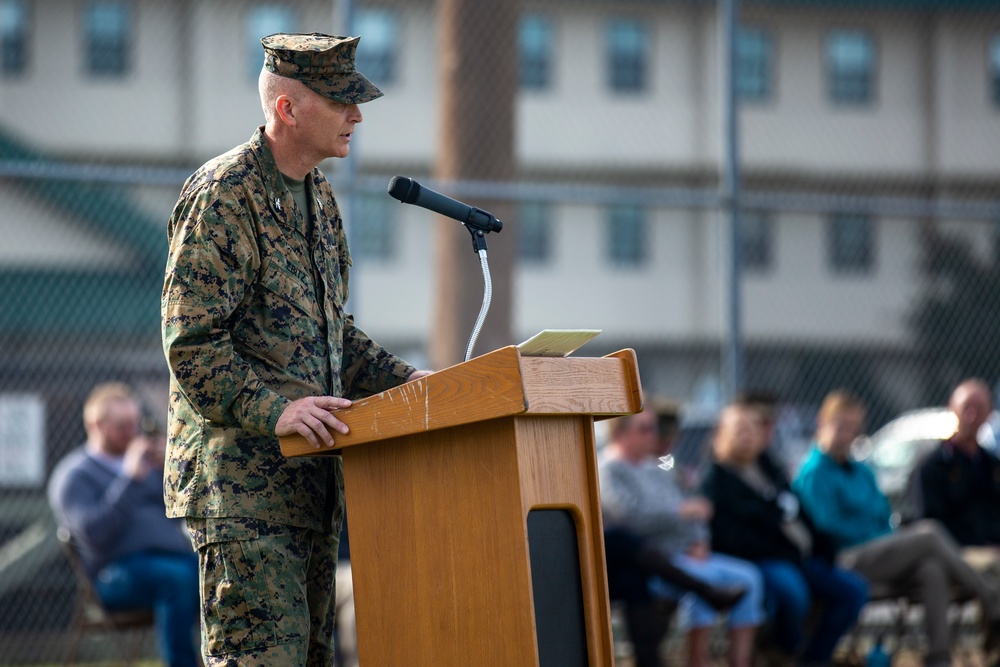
253, 318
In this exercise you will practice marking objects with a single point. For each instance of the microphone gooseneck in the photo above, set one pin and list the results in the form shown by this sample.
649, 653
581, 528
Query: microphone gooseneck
485, 308
476, 220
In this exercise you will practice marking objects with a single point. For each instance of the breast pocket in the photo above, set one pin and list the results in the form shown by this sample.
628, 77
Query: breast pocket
287, 285
279, 316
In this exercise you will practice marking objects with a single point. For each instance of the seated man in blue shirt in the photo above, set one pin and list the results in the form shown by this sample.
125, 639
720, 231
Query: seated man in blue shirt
109, 495
844, 500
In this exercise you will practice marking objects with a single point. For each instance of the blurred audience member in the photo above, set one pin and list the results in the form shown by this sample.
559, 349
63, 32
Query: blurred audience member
632, 564
109, 495
668, 415
844, 500
668, 426
765, 403
959, 482
759, 519
644, 498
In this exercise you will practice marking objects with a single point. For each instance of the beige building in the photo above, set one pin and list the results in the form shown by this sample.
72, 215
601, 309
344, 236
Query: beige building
840, 105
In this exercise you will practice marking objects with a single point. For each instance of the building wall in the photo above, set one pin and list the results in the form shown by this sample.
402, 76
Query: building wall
678, 295
191, 91
192, 94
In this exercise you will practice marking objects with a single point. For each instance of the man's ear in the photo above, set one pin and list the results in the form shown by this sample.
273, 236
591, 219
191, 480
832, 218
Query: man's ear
284, 106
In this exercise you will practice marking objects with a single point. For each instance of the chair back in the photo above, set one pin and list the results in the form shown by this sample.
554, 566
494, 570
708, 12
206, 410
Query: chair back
89, 606
90, 611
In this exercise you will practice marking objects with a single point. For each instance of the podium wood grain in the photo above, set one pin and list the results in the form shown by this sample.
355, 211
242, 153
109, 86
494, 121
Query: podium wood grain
499, 384
440, 476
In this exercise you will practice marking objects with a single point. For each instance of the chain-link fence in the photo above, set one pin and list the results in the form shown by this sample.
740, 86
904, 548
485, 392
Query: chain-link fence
869, 208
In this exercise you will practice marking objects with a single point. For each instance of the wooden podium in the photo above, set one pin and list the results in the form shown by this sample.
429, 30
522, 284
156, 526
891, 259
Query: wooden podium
475, 513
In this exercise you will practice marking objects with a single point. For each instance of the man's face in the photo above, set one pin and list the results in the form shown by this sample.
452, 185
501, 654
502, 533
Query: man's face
328, 125
739, 435
119, 426
837, 433
971, 404
640, 435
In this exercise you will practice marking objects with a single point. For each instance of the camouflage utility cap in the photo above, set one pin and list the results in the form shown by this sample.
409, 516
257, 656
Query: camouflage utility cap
324, 63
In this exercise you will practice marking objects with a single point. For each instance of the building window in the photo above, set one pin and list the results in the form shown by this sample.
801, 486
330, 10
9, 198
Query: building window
851, 242
756, 240
378, 50
850, 66
534, 233
754, 64
373, 233
628, 55
627, 236
995, 70
536, 52
262, 21
107, 30
13, 37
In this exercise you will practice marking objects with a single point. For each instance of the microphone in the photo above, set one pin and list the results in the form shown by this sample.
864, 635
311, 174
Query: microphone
409, 191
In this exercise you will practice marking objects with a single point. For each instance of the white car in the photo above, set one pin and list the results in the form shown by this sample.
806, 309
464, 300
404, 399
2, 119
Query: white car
895, 450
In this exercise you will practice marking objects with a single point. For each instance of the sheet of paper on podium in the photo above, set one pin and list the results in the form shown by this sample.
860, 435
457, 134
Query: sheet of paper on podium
556, 342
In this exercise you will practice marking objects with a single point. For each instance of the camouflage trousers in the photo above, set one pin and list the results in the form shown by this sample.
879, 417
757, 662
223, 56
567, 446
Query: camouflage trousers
267, 593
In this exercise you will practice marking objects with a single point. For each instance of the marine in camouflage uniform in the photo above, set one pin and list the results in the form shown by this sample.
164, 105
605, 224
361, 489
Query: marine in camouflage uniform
253, 319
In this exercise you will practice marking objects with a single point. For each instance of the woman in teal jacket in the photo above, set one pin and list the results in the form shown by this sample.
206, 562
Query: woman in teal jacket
844, 500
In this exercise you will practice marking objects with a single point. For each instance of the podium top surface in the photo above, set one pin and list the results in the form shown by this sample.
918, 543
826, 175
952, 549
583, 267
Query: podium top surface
501, 383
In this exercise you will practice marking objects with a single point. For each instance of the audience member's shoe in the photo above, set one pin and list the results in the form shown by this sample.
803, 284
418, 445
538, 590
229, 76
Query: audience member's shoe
723, 599
991, 635
665, 607
937, 661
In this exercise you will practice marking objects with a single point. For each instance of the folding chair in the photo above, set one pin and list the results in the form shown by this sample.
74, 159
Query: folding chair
897, 605
89, 614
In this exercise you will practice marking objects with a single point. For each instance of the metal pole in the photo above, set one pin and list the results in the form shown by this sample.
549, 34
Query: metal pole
730, 195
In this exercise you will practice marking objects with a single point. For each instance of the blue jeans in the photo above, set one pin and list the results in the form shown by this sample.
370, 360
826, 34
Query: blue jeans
790, 590
722, 571
165, 582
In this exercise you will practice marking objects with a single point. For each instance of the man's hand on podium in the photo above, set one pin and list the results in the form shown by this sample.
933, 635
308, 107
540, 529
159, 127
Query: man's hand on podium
312, 418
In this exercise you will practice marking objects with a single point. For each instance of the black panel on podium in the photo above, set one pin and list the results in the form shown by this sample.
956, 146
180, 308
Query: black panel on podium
558, 592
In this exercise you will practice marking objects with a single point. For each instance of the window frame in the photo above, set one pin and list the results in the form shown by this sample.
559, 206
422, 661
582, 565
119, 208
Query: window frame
373, 239
757, 251
859, 260
112, 59
837, 86
542, 65
14, 48
252, 22
382, 68
993, 69
636, 64
766, 93
539, 250
635, 254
